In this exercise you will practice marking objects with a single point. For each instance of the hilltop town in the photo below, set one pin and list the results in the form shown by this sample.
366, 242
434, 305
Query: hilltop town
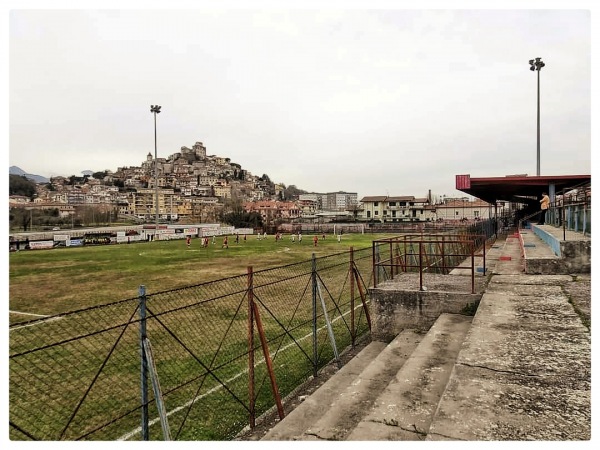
193, 187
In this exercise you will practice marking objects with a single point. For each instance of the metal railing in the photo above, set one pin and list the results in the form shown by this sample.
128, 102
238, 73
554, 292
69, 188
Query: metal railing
433, 253
572, 210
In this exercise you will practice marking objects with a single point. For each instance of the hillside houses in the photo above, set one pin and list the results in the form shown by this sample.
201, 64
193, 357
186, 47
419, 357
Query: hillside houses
272, 211
190, 186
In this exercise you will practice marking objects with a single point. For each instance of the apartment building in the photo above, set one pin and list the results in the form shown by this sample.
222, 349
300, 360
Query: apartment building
331, 201
308, 208
385, 208
340, 201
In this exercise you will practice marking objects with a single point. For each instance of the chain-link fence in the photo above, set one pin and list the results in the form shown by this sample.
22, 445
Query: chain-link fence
197, 363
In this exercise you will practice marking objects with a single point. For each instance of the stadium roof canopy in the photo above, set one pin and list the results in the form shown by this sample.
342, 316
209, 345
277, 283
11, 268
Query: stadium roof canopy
517, 188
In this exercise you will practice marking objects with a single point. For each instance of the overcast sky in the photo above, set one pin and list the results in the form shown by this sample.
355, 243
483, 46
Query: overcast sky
375, 101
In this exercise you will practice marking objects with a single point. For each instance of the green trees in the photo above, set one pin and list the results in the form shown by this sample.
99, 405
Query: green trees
243, 219
19, 185
33, 219
292, 192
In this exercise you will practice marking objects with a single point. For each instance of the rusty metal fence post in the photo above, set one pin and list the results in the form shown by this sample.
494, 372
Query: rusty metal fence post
314, 315
251, 401
144, 363
420, 265
351, 273
391, 261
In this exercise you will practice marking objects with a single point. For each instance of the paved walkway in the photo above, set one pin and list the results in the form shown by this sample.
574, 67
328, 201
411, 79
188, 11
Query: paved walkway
564, 235
524, 371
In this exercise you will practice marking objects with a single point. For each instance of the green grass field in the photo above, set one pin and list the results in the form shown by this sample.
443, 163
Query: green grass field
47, 282
70, 351
77, 376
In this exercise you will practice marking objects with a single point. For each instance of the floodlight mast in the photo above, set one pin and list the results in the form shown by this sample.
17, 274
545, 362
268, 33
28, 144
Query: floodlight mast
536, 65
155, 109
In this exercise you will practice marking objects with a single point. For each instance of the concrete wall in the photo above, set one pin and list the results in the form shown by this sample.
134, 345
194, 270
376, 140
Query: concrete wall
571, 256
549, 239
394, 310
576, 258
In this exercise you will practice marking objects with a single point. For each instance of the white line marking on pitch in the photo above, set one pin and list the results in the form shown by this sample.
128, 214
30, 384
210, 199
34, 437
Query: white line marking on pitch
28, 314
49, 319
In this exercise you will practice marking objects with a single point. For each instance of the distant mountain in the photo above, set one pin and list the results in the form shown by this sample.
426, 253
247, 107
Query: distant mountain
14, 170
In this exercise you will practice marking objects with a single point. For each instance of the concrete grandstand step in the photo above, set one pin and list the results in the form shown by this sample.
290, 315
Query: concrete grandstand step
405, 409
523, 372
492, 254
297, 421
334, 409
351, 405
510, 260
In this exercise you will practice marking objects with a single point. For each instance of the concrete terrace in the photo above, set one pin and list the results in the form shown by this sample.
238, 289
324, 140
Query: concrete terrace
518, 370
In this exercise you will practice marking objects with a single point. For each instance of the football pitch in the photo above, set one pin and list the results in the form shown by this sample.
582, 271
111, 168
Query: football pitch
89, 358
47, 282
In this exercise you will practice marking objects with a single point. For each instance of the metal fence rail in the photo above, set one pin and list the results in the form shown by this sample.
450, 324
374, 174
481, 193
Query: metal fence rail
572, 209
222, 354
431, 253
